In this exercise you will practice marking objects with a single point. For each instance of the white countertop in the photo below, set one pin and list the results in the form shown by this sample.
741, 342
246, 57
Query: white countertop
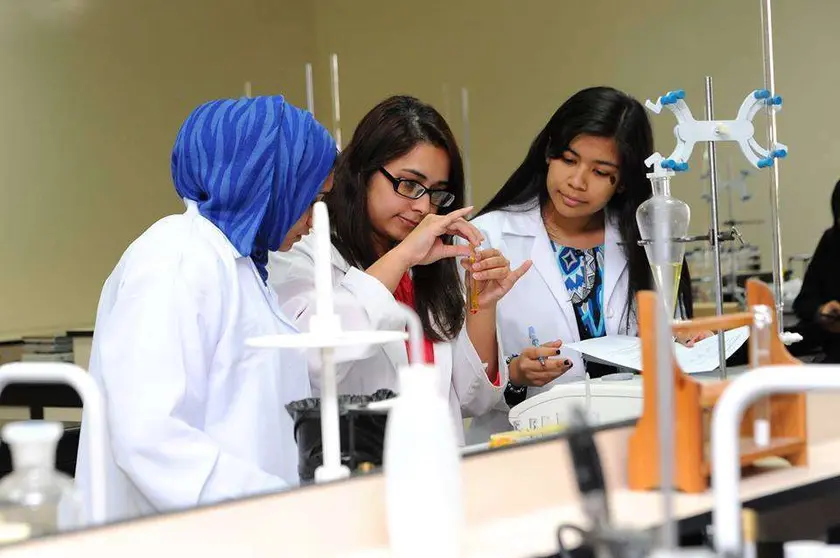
535, 534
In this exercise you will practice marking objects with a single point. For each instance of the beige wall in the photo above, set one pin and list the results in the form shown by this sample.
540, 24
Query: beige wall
94, 91
520, 60
93, 94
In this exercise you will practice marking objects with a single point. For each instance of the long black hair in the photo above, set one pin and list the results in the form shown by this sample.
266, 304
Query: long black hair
390, 130
835, 205
608, 113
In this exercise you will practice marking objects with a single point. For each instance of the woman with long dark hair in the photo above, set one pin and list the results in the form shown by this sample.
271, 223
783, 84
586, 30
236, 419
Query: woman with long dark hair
570, 207
395, 208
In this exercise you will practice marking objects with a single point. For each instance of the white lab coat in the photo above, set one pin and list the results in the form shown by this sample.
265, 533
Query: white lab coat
363, 302
540, 299
193, 415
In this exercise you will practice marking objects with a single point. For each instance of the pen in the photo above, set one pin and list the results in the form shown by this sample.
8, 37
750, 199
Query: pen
535, 342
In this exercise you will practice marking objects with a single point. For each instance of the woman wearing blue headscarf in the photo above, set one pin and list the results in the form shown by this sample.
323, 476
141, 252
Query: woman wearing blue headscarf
193, 415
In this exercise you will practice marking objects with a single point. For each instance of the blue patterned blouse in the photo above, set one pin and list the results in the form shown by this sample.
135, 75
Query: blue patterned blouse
583, 276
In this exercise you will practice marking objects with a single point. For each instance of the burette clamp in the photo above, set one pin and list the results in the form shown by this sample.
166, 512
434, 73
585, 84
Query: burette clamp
724, 236
689, 131
679, 239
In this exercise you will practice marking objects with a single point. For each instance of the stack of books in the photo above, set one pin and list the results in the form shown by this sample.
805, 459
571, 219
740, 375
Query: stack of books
58, 348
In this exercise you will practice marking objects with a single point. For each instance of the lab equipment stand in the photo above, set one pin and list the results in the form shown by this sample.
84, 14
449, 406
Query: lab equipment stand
689, 132
326, 334
694, 401
740, 130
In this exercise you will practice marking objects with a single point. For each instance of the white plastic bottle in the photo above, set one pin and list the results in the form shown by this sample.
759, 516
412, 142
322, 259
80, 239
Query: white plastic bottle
422, 470
35, 493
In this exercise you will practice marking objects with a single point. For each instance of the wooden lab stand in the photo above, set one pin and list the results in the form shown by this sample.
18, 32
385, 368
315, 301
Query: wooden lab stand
694, 401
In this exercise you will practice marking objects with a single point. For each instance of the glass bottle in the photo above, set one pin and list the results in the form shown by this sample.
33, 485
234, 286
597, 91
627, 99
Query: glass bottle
35, 493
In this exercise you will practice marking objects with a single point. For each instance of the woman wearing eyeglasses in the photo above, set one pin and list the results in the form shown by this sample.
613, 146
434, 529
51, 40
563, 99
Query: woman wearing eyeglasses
395, 208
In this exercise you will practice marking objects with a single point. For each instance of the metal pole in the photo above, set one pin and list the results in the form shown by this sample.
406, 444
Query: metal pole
730, 182
310, 90
733, 250
336, 102
465, 119
715, 236
248, 89
770, 85
665, 385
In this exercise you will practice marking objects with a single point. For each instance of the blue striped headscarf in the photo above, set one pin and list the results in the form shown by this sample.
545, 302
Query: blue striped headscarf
253, 166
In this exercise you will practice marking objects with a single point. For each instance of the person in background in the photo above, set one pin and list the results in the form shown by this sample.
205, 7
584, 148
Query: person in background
570, 207
193, 415
396, 204
818, 303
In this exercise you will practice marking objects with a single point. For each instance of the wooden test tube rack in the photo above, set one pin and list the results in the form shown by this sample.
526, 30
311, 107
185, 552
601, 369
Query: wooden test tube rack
694, 401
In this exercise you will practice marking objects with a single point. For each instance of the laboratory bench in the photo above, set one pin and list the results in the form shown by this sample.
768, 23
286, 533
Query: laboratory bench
515, 498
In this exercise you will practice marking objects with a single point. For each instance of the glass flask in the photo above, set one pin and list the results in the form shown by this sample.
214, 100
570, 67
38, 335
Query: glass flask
35, 494
676, 216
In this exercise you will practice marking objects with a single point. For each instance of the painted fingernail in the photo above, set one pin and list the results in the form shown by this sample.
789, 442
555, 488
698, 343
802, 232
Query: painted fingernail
567, 362
558, 351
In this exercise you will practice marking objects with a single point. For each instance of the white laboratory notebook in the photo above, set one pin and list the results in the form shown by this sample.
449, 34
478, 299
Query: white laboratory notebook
626, 351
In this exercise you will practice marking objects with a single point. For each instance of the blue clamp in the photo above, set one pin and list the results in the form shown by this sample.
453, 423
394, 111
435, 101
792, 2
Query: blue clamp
673, 165
761, 94
672, 97
779, 153
764, 163
777, 100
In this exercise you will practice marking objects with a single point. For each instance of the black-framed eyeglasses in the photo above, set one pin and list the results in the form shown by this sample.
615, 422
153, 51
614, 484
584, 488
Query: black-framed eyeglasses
413, 190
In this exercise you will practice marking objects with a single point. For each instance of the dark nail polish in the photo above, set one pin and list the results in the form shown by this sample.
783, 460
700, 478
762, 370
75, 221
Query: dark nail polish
558, 351
568, 362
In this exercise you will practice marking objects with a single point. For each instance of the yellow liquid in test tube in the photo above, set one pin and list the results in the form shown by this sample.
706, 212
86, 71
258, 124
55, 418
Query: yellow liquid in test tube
472, 291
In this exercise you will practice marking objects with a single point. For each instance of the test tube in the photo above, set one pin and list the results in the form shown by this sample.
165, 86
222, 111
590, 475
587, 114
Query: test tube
472, 290
762, 332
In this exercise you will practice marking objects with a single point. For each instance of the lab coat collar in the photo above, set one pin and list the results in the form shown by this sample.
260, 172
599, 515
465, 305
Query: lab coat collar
522, 221
529, 223
192, 211
268, 293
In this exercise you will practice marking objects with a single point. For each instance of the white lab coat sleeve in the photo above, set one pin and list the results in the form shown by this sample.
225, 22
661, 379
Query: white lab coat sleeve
155, 351
476, 393
361, 301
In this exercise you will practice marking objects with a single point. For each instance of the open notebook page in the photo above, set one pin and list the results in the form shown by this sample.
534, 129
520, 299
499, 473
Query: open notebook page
626, 351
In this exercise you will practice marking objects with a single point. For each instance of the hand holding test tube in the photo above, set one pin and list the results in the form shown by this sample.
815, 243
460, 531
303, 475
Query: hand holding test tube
488, 277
